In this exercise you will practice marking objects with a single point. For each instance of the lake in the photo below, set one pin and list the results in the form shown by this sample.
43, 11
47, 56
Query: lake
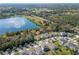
16, 24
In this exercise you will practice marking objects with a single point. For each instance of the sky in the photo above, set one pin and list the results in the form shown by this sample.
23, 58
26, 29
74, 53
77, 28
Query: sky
39, 1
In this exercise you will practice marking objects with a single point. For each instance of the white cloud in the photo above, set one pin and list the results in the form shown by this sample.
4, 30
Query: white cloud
39, 1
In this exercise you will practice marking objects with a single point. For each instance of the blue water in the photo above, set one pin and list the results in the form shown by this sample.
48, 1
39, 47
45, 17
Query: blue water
15, 24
